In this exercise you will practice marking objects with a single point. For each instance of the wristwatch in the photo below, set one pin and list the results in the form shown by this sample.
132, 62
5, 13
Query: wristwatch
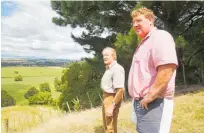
113, 103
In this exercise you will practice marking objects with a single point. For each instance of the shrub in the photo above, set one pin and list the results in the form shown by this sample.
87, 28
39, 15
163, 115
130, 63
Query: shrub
57, 84
76, 104
31, 92
55, 102
41, 98
77, 80
45, 87
18, 78
16, 72
6, 99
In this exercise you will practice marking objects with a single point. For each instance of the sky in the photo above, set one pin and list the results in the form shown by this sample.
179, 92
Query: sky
27, 30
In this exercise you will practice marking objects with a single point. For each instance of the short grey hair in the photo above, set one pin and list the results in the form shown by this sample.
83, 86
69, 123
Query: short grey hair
112, 49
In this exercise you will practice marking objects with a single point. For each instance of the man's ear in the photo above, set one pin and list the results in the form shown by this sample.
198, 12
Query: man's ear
150, 21
114, 57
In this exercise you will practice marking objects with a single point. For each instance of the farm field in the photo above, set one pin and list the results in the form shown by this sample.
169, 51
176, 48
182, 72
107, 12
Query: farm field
32, 76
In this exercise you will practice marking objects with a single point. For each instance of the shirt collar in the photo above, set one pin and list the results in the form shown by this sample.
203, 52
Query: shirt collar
148, 35
111, 65
151, 31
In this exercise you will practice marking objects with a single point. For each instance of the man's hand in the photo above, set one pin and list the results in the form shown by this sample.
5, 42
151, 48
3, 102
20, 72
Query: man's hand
163, 77
144, 102
109, 111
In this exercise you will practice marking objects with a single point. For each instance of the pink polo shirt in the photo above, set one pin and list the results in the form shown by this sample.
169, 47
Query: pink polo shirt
157, 48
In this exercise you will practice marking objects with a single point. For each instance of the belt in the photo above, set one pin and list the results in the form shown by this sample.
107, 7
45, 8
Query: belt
105, 94
140, 98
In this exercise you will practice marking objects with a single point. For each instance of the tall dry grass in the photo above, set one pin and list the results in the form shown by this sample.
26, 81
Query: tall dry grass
188, 118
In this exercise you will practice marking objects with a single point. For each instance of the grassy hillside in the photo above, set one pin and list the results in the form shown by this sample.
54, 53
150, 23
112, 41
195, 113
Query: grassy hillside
8, 72
188, 118
20, 118
32, 76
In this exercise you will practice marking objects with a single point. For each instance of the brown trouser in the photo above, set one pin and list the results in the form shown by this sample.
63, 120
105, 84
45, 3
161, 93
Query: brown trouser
109, 123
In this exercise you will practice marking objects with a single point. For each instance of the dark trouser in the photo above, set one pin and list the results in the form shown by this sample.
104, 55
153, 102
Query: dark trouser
157, 119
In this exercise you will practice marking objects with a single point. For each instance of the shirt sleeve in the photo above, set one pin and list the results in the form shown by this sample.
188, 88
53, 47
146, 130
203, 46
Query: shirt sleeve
163, 50
119, 78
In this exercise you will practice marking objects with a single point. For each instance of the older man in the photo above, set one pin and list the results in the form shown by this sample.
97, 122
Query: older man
152, 74
112, 84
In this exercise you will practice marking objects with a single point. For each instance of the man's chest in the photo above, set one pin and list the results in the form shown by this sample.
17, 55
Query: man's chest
144, 52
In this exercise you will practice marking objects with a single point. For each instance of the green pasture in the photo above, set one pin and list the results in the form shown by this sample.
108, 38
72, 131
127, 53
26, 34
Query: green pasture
32, 76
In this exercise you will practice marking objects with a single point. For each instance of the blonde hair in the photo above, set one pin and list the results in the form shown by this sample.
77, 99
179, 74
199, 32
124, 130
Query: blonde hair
112, 49
149, 14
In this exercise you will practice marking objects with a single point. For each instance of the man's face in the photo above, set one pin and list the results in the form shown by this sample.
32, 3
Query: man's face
108, 57
142, 25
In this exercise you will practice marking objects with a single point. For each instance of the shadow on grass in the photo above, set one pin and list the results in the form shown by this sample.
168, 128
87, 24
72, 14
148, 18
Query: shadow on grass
99, 129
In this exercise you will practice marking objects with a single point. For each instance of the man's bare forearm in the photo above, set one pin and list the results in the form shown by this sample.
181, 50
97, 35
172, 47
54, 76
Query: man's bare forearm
119, 95
163, 77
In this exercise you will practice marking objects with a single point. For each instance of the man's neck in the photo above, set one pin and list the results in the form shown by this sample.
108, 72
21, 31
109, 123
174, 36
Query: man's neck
111, 64
150, 30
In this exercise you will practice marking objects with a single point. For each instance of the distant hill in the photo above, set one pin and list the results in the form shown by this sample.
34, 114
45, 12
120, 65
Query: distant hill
33, 61
12, 56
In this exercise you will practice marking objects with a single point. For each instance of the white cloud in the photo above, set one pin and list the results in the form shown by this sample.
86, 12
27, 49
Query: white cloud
29, 31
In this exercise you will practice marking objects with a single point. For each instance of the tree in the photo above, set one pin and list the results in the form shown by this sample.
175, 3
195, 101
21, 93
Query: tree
77, 80
42, 98
57, 84
96, 17
125, 47
18, 78
183, 18
177, 17
45, 87
31, 92
7, 99
16, 72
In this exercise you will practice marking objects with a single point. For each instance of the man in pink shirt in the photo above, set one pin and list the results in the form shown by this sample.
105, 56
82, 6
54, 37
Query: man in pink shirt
152, 74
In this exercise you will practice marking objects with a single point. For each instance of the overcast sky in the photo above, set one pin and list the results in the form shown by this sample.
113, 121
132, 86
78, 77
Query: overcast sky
27, 30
